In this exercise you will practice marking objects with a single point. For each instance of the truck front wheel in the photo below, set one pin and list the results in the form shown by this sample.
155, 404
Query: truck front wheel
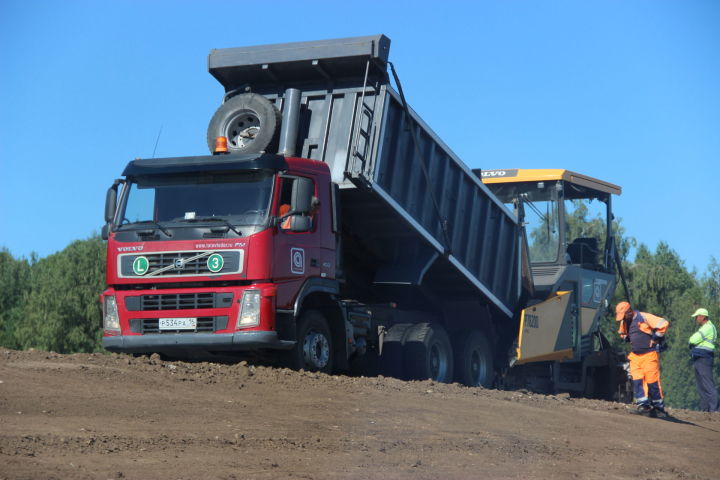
313, 350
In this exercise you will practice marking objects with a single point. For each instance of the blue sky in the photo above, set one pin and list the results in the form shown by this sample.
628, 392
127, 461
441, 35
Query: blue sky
626, 91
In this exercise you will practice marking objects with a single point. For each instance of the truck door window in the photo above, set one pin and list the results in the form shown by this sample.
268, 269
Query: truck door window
285, 200
286, 189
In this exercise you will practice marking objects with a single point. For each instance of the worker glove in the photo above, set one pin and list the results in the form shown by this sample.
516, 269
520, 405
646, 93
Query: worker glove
661, 347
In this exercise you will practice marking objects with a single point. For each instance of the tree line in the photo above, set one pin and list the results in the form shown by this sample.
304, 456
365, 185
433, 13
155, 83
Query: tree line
53, 304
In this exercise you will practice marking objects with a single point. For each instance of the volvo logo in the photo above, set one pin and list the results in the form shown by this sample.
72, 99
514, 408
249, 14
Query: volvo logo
179, 263
499, 173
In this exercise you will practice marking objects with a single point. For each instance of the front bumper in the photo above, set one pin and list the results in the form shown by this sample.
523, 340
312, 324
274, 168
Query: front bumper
238, 341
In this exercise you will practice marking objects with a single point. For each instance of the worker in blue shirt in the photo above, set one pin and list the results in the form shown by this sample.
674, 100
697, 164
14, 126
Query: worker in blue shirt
702, 350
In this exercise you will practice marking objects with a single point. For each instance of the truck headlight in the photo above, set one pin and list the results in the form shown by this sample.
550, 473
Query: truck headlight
111, 320
249, 310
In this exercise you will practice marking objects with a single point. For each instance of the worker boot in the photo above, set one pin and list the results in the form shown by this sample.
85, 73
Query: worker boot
659, 406
643, 408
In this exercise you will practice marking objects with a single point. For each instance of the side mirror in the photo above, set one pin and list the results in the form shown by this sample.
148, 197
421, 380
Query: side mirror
302, 194
299, 223
111, 202
110, 208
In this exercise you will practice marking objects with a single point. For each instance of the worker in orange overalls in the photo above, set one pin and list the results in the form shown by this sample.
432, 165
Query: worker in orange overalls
646, 334
284, 209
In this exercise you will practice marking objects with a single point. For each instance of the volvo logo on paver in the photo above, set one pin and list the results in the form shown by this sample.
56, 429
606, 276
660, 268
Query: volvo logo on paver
215, 262
140, 266
179, 264
297, 260
499, 173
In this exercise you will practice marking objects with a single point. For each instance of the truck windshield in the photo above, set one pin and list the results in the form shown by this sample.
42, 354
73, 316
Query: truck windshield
241, 199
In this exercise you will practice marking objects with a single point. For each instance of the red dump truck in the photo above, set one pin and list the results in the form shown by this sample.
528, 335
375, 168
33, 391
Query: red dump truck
331, 229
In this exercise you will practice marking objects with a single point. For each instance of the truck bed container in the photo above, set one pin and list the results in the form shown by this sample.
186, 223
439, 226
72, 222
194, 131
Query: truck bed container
426, 217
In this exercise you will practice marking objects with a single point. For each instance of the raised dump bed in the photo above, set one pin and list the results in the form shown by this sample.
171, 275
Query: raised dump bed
406, 197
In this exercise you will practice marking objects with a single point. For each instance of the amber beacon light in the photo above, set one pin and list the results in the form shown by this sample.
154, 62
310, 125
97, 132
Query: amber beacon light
220, 145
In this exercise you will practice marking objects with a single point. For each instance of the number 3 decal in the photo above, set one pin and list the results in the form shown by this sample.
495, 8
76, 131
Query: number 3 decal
215, 262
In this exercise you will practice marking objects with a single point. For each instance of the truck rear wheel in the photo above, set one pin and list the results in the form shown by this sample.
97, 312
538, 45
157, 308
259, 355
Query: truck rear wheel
474, 359
314, 350
428, 353
249, 121
391, 357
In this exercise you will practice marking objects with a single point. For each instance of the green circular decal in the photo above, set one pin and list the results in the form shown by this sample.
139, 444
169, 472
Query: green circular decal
215, 262
141, 265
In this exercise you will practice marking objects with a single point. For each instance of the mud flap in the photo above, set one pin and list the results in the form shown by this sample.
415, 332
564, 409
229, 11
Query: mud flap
546, 331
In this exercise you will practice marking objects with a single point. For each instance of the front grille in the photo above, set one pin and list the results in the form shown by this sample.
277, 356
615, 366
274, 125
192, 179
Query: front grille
178, 301
179, 264
204, 325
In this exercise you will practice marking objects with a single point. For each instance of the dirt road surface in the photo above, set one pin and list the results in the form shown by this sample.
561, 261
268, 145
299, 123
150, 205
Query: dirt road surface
95, 416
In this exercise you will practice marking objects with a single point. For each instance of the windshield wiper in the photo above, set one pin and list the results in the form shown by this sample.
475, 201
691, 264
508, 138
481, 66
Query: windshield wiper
158, 226
215, 219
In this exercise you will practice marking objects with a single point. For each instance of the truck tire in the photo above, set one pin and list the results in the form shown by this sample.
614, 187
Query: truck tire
428, 353
474, 359
391, 357
249, 121
314, 349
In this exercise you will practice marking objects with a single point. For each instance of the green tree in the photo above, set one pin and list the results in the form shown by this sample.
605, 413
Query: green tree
14, 283
710, 284
61, 311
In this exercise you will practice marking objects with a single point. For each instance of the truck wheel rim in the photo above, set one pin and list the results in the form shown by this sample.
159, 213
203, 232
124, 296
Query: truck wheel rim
316, 350
242, 129
438, 363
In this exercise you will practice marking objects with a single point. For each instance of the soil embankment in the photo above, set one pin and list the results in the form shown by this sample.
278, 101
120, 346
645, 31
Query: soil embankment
117, 417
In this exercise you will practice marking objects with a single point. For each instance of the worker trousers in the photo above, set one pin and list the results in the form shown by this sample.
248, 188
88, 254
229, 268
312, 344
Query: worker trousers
703, 367
645, 373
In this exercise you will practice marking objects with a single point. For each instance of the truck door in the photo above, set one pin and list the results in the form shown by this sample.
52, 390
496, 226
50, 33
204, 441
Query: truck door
297, 254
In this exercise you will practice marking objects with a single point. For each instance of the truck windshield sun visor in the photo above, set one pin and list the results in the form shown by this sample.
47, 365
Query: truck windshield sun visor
175, 200
206, 163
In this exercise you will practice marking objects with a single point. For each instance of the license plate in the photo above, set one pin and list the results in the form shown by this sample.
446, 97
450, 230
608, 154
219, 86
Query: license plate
177, 323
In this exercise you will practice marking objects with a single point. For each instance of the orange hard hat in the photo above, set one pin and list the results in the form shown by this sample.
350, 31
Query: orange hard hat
620, 310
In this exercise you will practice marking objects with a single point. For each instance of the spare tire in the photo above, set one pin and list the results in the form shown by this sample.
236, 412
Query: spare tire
249, 121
